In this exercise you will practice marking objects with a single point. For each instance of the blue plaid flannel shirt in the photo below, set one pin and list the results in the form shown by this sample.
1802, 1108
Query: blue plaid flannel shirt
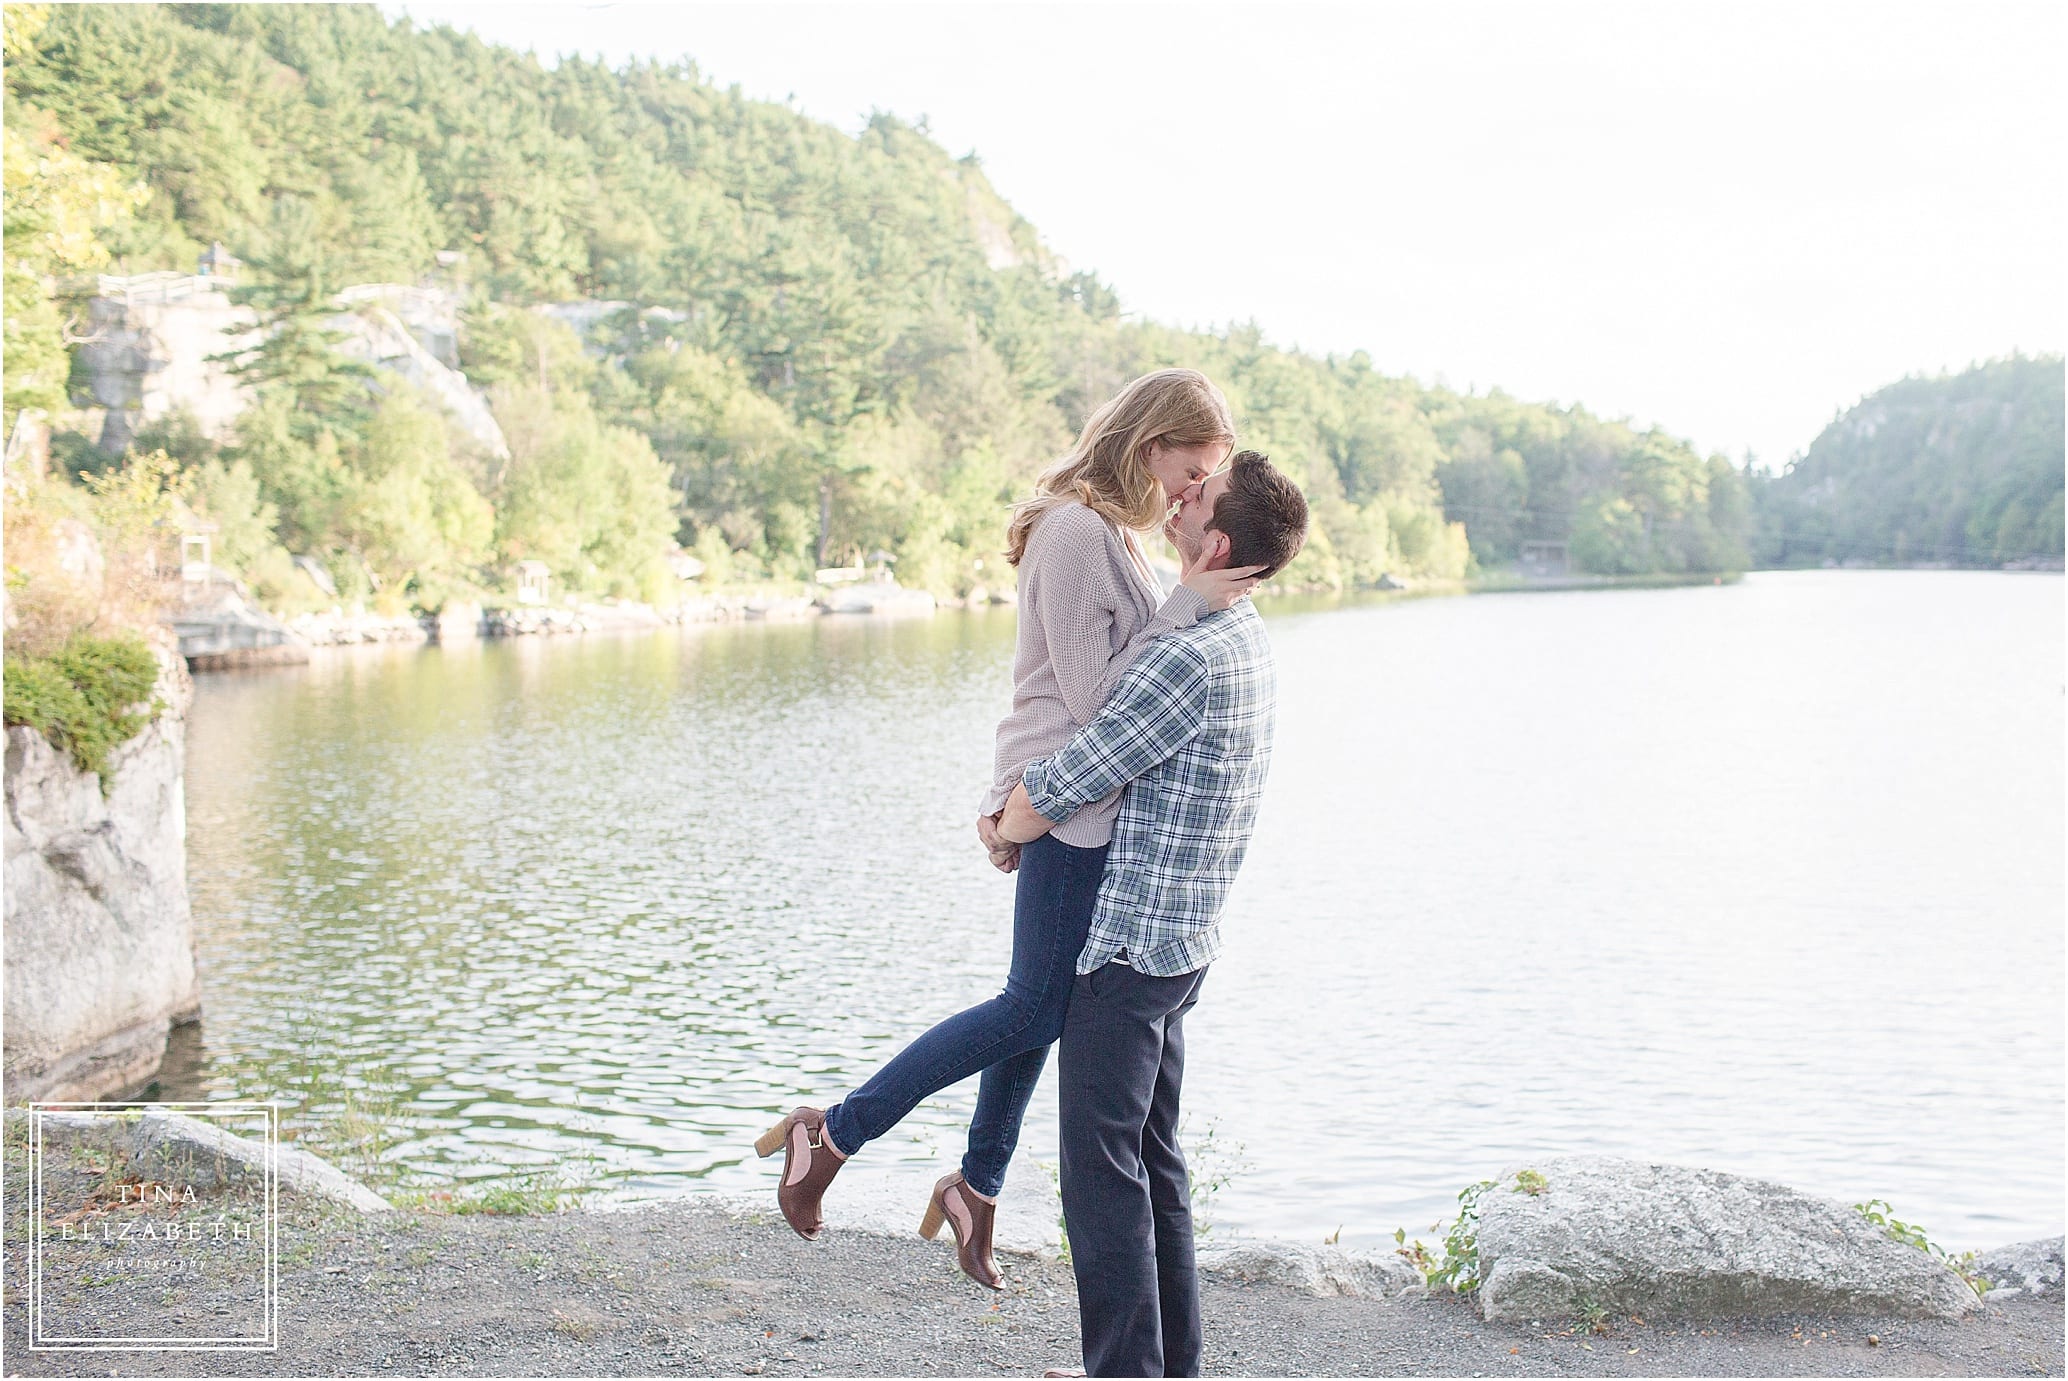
1188, 728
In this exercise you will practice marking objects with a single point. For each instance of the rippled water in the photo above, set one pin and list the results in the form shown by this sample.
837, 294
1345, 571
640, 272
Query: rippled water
1766, 877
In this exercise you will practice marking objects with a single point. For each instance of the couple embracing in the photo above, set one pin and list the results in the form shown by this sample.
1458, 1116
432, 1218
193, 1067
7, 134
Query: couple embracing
1127, 780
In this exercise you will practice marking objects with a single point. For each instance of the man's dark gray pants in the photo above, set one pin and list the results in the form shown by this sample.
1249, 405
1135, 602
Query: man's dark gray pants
1127, 1202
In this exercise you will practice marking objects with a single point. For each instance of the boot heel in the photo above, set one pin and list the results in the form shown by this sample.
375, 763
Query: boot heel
771, 1141
930, 1225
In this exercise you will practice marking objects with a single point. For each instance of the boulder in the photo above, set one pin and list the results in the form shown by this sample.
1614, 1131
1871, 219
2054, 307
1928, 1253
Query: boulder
876, 597
220, 627
1324, 1271
779, 607
177, 1149
100, 938
2023, 1268
1635, 1237
459, 621
339, 628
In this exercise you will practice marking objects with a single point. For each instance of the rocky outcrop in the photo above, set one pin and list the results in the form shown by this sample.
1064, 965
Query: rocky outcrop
430, 315
346, 628
160, 1144
462, 622
160, 344
1323, 1271
1628, 1236
100, 940
519, 620
2023, 1268
155, 346
220, 626
875, 597
583, 315
373, 330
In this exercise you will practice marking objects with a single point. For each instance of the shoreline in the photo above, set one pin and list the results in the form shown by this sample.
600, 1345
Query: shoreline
732, 609
747, 607
706, 1288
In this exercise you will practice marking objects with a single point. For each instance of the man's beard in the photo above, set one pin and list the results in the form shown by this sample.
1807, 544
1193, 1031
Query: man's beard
1187, 547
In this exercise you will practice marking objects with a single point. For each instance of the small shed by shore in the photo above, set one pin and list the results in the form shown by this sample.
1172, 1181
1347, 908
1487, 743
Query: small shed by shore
532, 579
1544, 558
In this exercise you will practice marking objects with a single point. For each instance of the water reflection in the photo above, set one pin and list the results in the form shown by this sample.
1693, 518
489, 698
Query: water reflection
1766, 876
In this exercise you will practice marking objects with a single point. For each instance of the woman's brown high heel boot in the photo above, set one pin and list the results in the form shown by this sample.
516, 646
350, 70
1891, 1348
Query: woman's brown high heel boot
970, 1218
809, 1165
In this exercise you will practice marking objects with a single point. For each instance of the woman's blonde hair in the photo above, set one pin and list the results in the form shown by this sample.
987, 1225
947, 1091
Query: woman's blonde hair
1108, 468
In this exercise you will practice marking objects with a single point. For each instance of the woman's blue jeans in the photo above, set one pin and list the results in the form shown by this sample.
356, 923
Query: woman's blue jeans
1007, 1038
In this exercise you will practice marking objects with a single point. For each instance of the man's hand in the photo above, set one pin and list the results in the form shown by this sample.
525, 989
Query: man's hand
1019, 822
1005, 855
1219, 588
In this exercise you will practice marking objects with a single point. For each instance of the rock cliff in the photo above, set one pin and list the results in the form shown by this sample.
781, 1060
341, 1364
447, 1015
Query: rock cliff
158, 342
100, 936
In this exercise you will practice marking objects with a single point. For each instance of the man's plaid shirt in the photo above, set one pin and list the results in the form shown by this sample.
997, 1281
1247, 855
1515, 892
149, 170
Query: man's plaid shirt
1189, 728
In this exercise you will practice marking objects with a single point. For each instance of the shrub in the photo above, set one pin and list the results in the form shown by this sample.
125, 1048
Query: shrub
88, 698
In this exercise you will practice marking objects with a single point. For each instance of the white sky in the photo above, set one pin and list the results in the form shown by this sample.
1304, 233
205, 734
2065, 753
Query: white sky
1731, 219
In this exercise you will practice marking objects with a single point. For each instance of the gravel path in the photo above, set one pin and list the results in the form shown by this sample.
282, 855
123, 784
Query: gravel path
690, 1288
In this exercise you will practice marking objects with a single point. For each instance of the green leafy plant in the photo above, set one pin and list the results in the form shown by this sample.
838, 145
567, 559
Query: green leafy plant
1454, 1263
88, 698
1212, 1163
1883, 1215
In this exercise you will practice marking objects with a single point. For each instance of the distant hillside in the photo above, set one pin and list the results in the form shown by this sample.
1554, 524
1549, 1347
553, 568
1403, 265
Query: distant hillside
1964, 469
816, 344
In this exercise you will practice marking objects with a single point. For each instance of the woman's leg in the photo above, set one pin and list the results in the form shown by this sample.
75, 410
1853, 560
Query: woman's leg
1008, 1086
1051, 914
994, 1132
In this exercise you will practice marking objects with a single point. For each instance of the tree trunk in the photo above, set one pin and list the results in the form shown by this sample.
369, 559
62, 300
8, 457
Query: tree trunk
825, 515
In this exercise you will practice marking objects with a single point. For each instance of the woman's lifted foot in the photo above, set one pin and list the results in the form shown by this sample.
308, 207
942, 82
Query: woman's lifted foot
969, 1215
809, 1164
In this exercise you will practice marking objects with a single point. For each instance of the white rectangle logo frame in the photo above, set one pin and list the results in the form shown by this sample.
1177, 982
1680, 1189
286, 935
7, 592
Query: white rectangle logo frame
269, 1341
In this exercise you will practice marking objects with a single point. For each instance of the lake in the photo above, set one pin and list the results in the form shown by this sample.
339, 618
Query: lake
1766, 877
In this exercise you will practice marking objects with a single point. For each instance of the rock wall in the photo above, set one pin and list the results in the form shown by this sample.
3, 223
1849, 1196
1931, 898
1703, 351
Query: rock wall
149, 353
373, 331
156, 338
99, 934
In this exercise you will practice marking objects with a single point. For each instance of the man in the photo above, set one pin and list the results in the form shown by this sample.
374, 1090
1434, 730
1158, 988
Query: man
1189, 729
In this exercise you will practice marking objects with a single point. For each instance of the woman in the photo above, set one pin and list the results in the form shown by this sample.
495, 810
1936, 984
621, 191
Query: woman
1088, 604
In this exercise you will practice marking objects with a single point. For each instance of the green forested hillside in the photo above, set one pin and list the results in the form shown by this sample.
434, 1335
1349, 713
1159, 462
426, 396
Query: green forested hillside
1963, 468
859, 344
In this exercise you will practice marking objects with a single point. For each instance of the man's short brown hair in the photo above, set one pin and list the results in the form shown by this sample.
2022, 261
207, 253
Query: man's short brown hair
1263, 513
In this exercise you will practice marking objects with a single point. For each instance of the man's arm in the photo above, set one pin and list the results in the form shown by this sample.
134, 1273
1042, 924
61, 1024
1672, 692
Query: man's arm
1158, 706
